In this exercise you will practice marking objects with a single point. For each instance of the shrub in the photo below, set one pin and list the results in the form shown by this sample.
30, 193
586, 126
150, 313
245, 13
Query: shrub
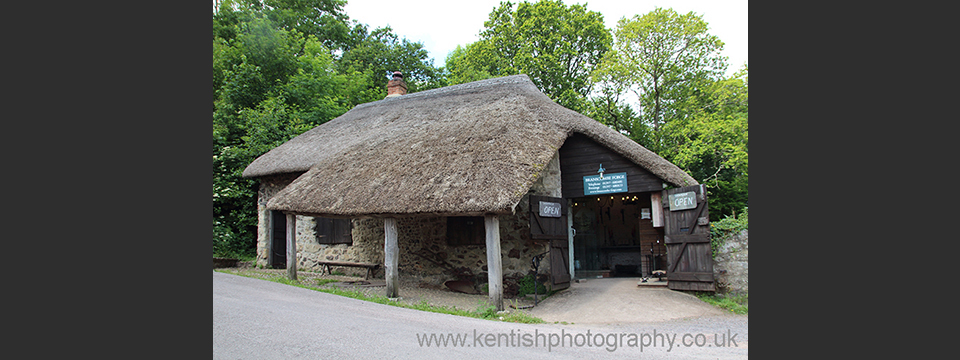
722, 230
527, 284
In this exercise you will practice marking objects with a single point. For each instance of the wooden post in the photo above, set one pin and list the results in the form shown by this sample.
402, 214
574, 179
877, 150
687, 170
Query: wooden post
391, 256
570, 235
291, 246
494, 268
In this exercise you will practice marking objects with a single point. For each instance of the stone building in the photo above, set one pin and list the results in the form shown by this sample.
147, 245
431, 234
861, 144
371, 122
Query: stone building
467, 182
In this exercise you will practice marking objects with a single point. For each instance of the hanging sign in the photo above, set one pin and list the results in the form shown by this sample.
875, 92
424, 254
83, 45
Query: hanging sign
605, 184
683, 201
549, 209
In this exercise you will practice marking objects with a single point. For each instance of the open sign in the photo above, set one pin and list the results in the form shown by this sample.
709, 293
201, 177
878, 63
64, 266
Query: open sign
683, 201
549, 209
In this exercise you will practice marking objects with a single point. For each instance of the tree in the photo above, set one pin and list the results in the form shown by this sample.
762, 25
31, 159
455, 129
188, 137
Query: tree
276, 76
709, 139
660, 57
460, 69
270, 84
686, 111
323, 19
556, 45
381, 52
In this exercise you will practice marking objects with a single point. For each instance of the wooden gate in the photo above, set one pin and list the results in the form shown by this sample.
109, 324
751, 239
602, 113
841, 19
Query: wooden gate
687, 237
548, 221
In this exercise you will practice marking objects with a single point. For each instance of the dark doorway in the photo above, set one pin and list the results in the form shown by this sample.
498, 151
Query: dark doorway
278, 246
615, 236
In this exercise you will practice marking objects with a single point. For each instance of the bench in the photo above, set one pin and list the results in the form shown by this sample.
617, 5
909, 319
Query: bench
370, 267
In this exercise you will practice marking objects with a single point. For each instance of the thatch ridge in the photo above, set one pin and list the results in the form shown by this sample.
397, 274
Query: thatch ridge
473, 148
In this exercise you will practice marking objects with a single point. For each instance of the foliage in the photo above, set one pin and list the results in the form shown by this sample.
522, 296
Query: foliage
381, 52
659, 57
609, 107
722, 230
685, 110
277, 74
710, 141
323, 19
463, 65
527, 284
556, 45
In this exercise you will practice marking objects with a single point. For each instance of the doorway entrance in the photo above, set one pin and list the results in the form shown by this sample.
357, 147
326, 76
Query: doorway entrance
615, 236
278, 240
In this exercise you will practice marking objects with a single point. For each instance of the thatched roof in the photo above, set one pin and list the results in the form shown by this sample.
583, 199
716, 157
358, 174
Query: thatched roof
473, 148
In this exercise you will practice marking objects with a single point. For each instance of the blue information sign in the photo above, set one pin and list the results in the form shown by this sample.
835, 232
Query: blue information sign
609, 184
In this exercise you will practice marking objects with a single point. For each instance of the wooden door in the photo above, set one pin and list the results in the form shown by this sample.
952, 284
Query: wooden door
548, 221
278, 246
687, 238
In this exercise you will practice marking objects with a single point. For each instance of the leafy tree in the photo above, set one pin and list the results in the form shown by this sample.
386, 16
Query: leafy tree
659, 57
270, 84
686, 111
608, 106
556, 45
381, 52
459, 69
324, 19
277, 74
710, 140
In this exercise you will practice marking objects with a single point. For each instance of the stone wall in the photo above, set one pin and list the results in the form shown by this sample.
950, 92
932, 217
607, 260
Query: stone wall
730, 264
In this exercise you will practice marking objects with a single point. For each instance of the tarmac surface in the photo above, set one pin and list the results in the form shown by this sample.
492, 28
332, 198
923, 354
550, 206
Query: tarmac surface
258, 319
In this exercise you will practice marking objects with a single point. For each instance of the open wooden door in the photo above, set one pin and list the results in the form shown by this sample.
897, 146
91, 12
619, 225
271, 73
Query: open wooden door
548, 221
687, 237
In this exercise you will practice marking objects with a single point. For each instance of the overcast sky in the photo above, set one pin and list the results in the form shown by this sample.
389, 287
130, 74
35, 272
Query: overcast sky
441, 25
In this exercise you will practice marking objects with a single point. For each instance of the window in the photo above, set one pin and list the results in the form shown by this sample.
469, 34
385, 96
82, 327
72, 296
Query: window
465, 230
333, 231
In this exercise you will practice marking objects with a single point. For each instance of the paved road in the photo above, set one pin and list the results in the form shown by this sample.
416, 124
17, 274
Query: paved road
258, 319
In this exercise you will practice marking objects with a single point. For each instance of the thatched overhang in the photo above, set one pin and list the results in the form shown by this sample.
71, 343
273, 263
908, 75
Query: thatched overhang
467, 149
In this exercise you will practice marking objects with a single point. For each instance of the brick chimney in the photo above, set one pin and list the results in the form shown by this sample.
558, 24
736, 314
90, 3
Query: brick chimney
396, 86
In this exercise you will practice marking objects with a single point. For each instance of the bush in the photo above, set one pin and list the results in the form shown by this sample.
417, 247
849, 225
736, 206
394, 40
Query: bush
226, 244
722, 230
527, 284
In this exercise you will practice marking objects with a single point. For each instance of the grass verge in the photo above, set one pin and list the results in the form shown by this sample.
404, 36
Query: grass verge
486, 312
735, 303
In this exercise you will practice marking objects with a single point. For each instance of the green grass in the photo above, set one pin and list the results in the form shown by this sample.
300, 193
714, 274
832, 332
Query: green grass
735, 303
488, 312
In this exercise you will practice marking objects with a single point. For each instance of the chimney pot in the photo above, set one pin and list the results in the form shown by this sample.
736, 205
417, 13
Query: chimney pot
396, 86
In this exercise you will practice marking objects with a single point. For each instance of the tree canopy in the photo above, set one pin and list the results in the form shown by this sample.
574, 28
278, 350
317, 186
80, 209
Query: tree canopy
556, 45
683, 108
280, 68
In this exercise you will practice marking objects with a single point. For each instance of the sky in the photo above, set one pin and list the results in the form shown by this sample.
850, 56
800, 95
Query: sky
441, 25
